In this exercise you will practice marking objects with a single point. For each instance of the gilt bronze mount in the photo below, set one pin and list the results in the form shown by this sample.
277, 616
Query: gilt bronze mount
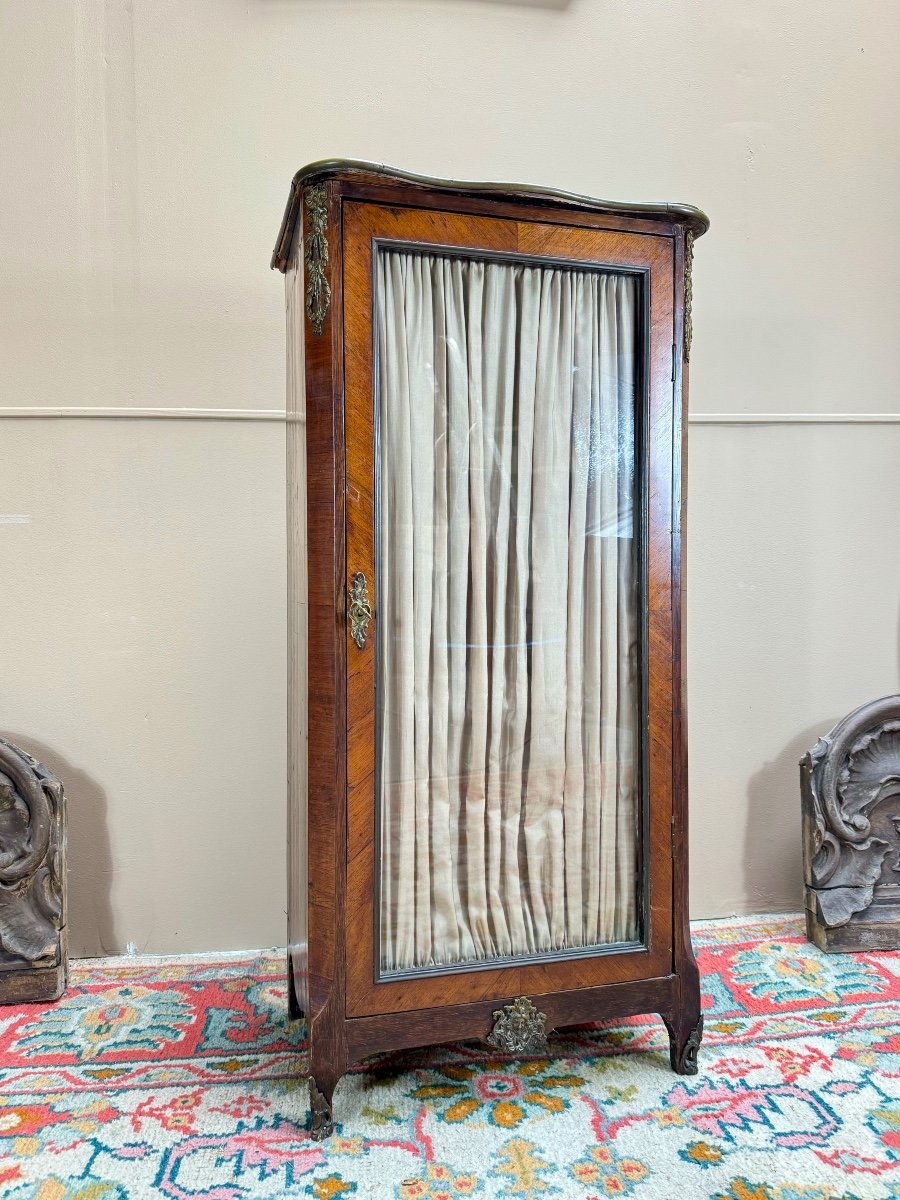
360, 609
318, 289
519, 1028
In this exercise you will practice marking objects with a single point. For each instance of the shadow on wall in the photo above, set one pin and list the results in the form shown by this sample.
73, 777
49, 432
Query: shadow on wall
772, 842
773, 849
91, 927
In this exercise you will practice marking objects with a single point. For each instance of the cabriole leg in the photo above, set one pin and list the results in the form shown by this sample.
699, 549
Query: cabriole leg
685, 1032
326, 1064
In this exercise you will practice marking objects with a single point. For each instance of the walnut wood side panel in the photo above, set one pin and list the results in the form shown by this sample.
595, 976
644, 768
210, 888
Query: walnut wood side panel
298, 641
326, 756
684, 1017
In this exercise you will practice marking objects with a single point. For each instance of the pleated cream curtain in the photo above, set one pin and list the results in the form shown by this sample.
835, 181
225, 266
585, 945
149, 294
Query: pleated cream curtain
506, 605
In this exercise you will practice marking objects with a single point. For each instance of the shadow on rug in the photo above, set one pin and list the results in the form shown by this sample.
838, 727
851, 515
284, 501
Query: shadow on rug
181, 1078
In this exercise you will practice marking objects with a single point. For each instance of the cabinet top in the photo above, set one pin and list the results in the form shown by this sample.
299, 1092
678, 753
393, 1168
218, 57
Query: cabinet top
378, 175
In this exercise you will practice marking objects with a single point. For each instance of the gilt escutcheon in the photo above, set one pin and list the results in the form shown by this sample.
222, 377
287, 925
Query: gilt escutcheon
360, 609
519, 1028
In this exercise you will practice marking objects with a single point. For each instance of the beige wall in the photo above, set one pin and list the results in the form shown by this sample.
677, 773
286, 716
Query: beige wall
147, 147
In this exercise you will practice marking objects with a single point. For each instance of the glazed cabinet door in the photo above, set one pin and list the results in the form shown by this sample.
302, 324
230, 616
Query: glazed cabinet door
508, 425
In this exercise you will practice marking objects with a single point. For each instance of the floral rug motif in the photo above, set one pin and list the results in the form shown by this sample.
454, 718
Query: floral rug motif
181, 1078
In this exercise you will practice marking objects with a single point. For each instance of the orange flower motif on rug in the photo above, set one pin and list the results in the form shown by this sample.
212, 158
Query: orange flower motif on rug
616, 1175
504, 1093
439, 1182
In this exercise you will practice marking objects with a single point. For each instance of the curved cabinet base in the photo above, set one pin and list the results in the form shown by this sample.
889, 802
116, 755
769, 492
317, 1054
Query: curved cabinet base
675, 997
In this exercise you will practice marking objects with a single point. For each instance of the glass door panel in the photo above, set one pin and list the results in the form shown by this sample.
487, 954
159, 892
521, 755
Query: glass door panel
508, 677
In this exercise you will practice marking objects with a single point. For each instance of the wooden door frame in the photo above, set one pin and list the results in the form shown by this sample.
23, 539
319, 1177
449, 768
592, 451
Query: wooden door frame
366, 228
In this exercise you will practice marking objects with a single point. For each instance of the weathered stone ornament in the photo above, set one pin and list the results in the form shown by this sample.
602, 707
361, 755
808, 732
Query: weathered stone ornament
33, 949
519, 1028
850, 790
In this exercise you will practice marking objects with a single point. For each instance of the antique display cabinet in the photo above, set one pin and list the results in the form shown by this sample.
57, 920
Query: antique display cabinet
487, 776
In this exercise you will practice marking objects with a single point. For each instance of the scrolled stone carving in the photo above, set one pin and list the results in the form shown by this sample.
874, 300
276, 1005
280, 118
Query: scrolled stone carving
850, 790
33, 959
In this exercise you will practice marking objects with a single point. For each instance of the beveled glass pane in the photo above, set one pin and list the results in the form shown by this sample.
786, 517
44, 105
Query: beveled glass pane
508, 683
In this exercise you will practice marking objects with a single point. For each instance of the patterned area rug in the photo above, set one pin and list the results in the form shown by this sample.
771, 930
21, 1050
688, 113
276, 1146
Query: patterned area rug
180, 1078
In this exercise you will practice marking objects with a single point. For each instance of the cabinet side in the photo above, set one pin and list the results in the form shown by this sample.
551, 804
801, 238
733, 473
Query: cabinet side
297, 702
686, 1020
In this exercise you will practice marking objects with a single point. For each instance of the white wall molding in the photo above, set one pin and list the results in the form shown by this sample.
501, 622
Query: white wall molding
151, 414
277, 414
796, 418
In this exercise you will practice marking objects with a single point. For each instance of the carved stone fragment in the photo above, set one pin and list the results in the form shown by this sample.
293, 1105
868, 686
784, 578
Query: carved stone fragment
850, 791
33, 950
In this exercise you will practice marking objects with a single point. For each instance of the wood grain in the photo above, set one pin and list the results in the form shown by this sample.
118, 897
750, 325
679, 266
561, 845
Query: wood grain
429, 1026
327, 754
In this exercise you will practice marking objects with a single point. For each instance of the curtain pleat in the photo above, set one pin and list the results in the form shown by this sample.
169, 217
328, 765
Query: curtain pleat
506, 604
